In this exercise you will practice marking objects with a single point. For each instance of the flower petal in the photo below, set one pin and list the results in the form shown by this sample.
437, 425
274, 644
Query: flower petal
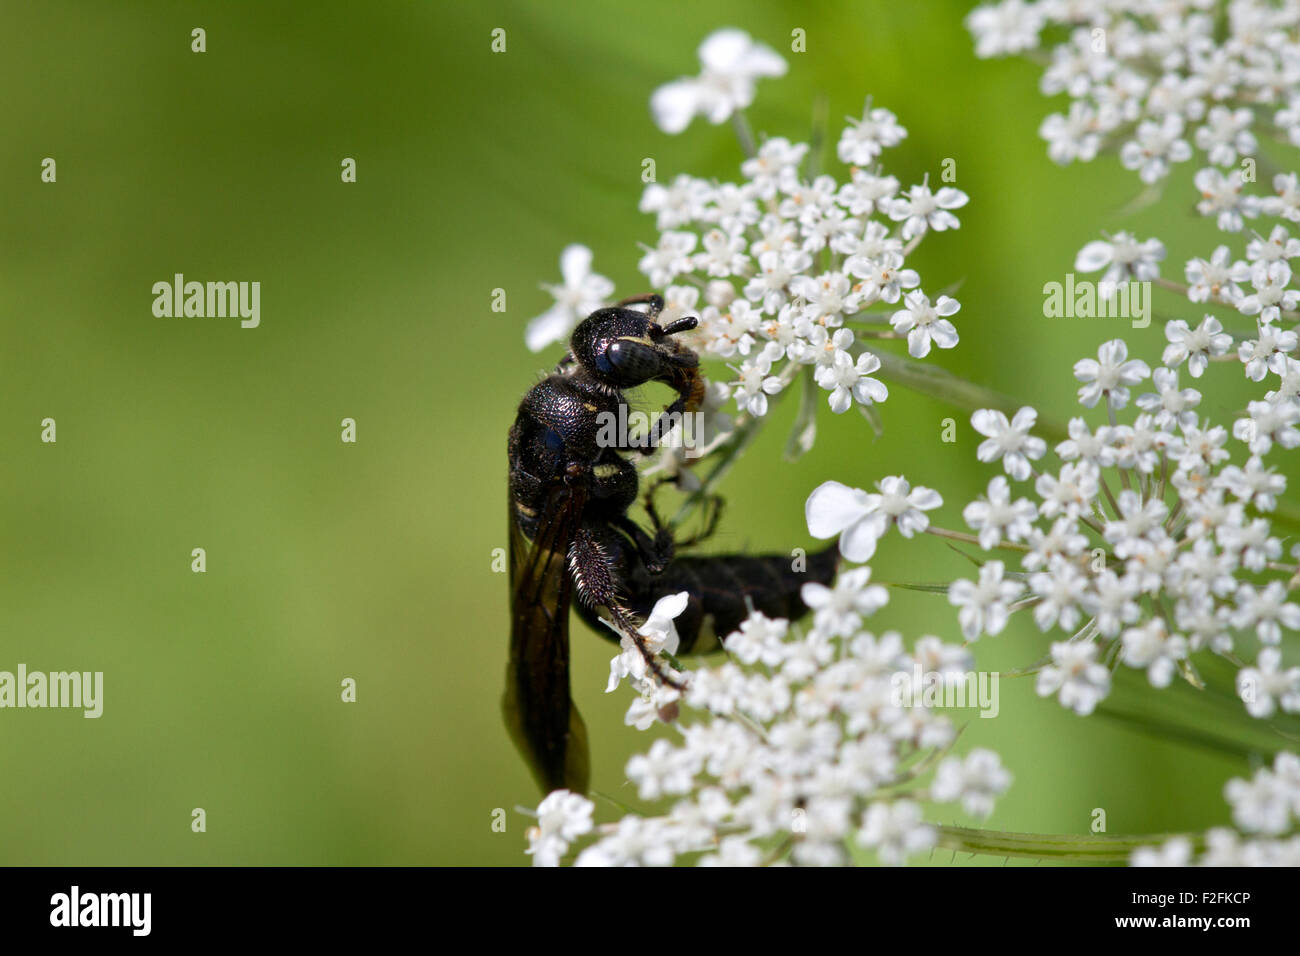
832, 507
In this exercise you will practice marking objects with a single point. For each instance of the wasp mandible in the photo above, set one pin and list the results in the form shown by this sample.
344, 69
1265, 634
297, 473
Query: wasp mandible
570, 532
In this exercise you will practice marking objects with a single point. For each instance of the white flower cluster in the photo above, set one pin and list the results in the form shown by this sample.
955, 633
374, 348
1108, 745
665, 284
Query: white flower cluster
1161, 82
1266, 808
802, 742
1146, 545
776, 266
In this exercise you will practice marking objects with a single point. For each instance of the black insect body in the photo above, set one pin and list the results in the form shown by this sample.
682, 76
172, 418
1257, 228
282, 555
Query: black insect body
570, 491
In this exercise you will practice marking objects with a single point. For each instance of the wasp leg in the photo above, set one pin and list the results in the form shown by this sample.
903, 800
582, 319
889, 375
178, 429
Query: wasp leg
654, 299
595, 576
714, 503
655, 552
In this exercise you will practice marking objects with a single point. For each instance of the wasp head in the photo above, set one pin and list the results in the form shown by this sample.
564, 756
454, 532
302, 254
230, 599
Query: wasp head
623, 348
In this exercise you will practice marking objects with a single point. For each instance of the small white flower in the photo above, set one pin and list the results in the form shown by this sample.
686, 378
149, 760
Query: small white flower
1286, 201
1155, 146
561, 818
1225, 134
839, 610
1223, 196
774, 169
986, 605
862, 140
861, 518
1268, 353
1168, 404
1214, 278
756, 384
1006, 27
1009, 441
1195, 346
1261, 805
663, 769
669, 259
1123, 258
848, 381
1176, 851
1279, 245
921, 210
1074, 135
1271, 296
1269, 422
867, 192
895, 831
1266, 685
996, 515
731, 64
659, 633
1138, 521
925, 323
977, 781
760, 639
582, 293
1076, 676
1152, 646
723, 255
1062, 588
882, 274
1084, 444
1266, 610
1110, 374
1071, 492
676, 204
1111, 602
1255, 485
775, 270
827, 297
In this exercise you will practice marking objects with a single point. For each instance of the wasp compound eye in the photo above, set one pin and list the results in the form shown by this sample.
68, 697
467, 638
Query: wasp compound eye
634, 362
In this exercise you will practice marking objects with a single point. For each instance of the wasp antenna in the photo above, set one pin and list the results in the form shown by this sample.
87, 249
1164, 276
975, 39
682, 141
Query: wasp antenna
681, 325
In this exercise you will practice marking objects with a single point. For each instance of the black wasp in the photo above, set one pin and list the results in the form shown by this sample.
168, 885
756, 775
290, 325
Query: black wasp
570, 491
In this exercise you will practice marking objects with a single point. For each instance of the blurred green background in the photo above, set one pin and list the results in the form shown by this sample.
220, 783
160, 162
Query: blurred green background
373, 561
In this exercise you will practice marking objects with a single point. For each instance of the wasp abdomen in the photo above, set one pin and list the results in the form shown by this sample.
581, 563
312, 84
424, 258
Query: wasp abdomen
724, 587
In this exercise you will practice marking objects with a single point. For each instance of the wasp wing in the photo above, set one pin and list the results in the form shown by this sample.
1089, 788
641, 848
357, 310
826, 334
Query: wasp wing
540, 714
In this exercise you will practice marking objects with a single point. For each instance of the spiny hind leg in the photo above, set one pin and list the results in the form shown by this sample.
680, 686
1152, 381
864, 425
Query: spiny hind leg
596, 565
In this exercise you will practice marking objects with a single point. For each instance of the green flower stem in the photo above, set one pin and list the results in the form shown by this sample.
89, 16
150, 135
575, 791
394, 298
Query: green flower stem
744, 133
817, 136
1094, 848
972, 539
